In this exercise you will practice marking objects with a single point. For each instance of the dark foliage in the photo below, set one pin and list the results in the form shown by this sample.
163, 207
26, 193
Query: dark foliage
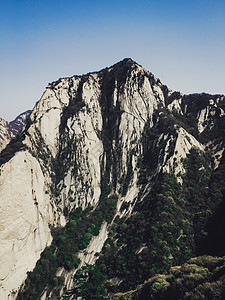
90, 284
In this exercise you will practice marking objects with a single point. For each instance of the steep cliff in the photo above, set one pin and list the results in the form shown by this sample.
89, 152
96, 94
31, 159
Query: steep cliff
103, 174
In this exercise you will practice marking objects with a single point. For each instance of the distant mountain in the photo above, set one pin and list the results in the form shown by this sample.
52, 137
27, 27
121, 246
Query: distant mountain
9, 130
113, 179
5, 135
17, 124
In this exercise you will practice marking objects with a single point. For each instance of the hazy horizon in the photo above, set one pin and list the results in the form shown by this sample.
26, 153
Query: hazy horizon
180, 42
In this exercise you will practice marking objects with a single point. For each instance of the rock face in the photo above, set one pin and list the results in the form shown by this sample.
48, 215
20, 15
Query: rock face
24, 218
9, 130
116, 129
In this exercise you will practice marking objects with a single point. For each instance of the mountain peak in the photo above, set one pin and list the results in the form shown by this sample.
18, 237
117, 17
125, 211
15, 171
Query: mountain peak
126, 62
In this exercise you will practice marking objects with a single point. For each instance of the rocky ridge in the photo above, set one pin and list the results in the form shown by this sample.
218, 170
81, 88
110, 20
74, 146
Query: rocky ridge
4, 134
9, 130
90, 137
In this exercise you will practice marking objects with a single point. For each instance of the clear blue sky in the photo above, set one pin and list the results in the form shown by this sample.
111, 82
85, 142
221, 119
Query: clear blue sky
182, 42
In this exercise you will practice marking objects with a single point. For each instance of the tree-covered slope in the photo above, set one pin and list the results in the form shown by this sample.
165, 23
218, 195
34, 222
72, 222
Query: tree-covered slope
199, 278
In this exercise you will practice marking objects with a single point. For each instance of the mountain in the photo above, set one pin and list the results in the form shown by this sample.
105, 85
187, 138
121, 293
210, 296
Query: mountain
113, 179
17, 124
9, 130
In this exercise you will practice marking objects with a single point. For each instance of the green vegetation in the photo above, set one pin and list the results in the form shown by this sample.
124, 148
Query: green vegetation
158, 235
201, 278
158, 285
90, 284
167, 228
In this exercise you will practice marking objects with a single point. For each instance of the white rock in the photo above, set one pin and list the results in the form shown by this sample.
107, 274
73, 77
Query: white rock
176, 105
25, 215
184, 143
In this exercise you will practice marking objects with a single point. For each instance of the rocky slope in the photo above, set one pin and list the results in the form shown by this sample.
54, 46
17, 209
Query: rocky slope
9, 130
122, 147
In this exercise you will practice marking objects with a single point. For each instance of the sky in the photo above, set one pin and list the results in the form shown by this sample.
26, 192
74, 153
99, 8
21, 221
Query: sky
182, 42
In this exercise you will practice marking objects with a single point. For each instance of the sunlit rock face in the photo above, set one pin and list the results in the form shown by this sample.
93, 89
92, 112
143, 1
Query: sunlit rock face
25, 214
83, 130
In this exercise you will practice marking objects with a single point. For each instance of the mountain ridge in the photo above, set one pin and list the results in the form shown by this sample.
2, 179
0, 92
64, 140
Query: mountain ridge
9, 130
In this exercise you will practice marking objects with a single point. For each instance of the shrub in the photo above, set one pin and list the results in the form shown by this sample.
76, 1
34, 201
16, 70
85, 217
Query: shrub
159, 285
